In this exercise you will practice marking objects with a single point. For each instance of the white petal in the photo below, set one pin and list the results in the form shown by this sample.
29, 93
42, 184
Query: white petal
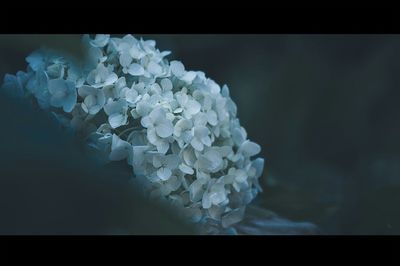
225, 91
125, 59
196, 191
111, 79
154, 68
146, 122
196, 144
206, 202
166, 84
135, 52
135, 70
200, 120
217, 197
152, 136
189, 157
186, 169
131, 96
157, 115
94, 109
258, 164
189, 76
143, 108
177, 68
238, 136
162, 147
240, 175
171, 161
206, 141
117, 120
192, 107
200, 132
211, 161
249, 148
164, 173
100, 40
212, 118
165, 129
178, 110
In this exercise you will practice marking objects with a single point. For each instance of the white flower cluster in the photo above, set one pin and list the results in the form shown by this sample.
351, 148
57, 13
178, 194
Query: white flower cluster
176, 128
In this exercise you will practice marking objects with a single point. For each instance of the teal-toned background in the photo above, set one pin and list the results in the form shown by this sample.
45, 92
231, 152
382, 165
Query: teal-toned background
324, 108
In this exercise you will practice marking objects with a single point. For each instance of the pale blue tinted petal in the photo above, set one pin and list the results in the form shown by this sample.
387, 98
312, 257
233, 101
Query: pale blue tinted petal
171, 161
258, 164
177, 68
125, 59
146, 122
192, 107
162, 147
196, 191
165, 129
154, 68
117, 120
100, 40
166, 84
135, 70
249, 148
186, 169
196, 144
164, 173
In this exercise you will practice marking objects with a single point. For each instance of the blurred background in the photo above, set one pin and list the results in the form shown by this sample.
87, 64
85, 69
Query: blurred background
324, 108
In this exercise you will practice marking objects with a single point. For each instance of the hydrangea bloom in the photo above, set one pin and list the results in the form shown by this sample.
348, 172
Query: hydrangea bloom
177, 129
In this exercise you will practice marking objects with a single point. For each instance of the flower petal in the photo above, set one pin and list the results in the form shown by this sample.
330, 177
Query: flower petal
186, 169
154, 68
135, 70
249, 148
177, 68
165, 129
196, 191
164, 173
117, 120
192, 107
166, 84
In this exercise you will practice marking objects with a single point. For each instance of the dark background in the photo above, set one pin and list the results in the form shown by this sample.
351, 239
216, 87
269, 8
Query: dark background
324, 108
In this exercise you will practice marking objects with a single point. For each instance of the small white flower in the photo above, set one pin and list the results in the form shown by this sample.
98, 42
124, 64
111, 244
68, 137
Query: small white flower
210, 162
117, 112
200, 138
187, 106
158, 121
94, 99
101, 76
165, 164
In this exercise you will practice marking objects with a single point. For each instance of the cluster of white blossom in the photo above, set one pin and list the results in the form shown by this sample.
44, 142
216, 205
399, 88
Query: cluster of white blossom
177, 129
